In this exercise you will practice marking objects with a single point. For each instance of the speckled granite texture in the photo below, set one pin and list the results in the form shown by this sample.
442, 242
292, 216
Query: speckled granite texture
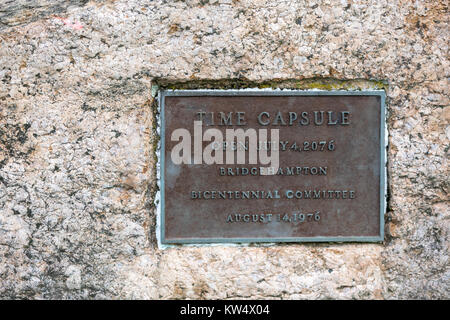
77, 137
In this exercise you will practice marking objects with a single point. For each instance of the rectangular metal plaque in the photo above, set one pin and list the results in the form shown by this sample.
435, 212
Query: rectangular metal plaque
327, 184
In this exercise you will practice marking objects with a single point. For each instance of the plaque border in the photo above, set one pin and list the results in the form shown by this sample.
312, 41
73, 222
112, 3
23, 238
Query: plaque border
272, 92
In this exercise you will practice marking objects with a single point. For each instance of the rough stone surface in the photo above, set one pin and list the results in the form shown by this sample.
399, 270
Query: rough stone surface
77, 169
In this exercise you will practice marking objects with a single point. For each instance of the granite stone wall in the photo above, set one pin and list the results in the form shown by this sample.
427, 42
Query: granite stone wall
78, 137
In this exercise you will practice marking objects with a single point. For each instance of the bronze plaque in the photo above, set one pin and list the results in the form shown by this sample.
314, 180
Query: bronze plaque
327, 184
